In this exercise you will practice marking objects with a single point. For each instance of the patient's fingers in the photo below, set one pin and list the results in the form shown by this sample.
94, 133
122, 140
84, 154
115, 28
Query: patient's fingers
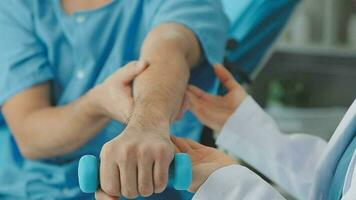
109, 177
225, 77
128, 172
145, 176
160, 172
101, 195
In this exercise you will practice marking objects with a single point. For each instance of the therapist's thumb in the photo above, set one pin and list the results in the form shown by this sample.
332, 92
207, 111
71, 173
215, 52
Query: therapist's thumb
132, 70
181, 145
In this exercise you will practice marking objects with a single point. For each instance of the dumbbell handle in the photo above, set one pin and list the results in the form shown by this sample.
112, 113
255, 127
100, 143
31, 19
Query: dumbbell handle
180, 172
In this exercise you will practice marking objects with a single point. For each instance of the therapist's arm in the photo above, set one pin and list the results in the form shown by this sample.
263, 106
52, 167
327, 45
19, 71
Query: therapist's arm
290, 160
236, 182
217, 176
42, 130
137, 161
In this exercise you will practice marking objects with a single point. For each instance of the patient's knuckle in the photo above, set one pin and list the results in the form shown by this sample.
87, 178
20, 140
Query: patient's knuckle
160, 181
143, 152
145, 190
131, 194
106, 150
162, 146
111, 189
128, 149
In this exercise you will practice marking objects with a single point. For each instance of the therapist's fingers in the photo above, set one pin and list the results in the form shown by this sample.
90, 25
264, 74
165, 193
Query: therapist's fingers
101, 195
194, 99
128, 177
205, 98
181, 144
186, 144
225, 77
200, 106
145, 176
176, 149
183, 109
200, 94
196, 91
196, 105
128, 73
109, 176
194, 144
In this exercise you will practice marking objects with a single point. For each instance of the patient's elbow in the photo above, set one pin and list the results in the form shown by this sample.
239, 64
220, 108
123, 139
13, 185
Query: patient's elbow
28, 151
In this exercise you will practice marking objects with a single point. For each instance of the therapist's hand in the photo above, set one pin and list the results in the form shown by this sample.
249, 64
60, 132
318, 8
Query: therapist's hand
113, 98
205, 160
214, 111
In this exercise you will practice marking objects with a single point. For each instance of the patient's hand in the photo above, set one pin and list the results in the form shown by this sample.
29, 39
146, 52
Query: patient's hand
136, 162
214, 111
205, 160
113, 98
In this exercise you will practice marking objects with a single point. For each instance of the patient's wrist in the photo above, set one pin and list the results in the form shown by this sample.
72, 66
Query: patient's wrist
149, 118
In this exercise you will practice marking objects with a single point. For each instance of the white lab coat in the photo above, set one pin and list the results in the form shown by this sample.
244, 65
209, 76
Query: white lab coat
301, 164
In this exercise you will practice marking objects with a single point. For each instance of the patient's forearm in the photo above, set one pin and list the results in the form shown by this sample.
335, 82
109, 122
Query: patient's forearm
48, 131
170, 50
159, 91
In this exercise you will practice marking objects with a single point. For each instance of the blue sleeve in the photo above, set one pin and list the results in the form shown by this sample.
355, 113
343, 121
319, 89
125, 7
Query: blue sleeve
23, 59
205, 18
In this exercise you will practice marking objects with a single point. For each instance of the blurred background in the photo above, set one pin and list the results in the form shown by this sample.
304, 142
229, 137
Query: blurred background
309, 78
297, 58
306, 80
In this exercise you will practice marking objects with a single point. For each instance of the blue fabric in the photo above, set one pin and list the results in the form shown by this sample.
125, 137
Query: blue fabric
255, 25
337, 182
39, 43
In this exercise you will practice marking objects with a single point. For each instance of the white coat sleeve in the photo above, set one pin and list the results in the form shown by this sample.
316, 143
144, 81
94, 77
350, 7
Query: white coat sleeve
289, 160
349, 189
236, 182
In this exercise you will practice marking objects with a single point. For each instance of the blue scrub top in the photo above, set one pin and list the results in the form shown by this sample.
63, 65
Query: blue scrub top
255, 25
39, 42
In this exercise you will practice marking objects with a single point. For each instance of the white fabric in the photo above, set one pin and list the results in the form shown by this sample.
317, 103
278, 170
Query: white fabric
236, 182
349, 175
299, 163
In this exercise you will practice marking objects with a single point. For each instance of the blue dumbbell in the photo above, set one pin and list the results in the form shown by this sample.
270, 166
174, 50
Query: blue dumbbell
180, 172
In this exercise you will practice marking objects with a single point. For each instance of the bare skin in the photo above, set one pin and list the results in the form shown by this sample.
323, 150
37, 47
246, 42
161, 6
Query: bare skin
170, 50
138, 167
214, 111
30, 115
72, 6
205, 160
